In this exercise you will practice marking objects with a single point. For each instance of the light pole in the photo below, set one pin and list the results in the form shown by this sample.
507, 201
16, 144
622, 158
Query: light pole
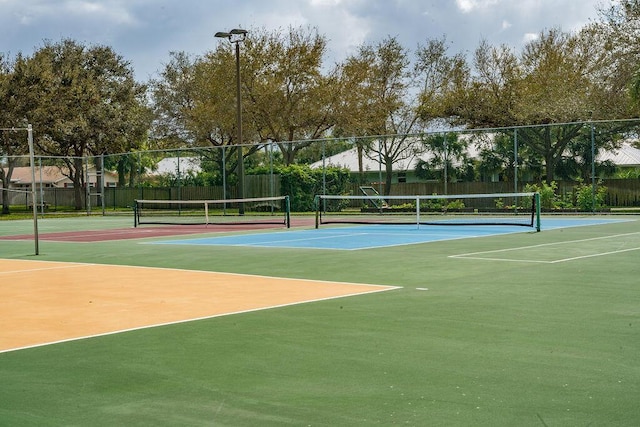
236, 36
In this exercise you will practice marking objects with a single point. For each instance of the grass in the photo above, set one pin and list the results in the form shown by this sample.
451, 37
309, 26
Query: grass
489, 343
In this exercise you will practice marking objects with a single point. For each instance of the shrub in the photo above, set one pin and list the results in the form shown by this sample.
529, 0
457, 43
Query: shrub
455, 205
302, 184
585, 197
548, 198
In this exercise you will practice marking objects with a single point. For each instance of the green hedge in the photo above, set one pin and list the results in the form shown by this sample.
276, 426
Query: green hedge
302, 184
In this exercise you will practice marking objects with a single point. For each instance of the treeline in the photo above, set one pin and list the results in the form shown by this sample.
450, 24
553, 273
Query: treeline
83, 100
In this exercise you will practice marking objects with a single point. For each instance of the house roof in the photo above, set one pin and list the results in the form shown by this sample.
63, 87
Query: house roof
625, 156
47, 175
170, 165
349, 159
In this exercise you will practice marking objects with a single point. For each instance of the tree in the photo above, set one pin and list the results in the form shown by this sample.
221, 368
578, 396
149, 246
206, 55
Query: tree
550, 82
173, 98
381, 108
12, 115
617, 37
438, 76
88, 104
194, 106
487, 95
450, 159
285, 97
291, 101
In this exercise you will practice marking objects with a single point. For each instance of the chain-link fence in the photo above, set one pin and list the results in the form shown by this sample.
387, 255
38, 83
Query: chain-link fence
570, 159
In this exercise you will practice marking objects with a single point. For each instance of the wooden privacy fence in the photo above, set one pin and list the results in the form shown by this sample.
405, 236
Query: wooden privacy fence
620, 192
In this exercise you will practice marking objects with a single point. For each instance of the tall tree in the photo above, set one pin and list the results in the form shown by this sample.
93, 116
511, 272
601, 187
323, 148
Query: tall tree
83, 101
617, 36
12, 144
384, 109
489, 94
552, 81
292, 101
195, 106
437, 75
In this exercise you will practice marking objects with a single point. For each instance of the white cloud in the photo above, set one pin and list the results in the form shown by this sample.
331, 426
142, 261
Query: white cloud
112, 11
145, 31
467, 6
42, 11
323, 3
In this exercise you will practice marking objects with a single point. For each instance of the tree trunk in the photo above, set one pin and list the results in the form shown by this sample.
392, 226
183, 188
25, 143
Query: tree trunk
388, 166
78, 180
5, 193
5, 180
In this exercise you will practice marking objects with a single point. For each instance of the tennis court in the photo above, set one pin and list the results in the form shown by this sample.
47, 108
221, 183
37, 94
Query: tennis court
504, 328
54, 302
375, 236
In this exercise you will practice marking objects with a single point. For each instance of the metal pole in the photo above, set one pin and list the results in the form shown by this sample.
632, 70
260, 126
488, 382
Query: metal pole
515, 165
324, 176
41, 200
87, 185
515, 160
446, 161
224, 180
324, 168
271, 177
236, 36
33, 188
239, 120
380, 167
593, 169
102, 195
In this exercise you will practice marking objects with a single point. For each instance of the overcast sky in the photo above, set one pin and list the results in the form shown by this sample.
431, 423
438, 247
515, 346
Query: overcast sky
145, 31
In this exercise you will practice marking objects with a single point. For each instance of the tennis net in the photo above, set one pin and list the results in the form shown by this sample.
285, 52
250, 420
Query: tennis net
263, 210
517, 209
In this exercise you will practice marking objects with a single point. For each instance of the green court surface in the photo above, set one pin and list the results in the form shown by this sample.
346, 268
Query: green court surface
522, 329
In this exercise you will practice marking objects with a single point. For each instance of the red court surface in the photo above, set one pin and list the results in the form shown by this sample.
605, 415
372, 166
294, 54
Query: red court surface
128, 233
143, 232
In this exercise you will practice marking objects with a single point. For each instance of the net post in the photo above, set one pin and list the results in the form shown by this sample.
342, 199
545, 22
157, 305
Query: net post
536, 198
316, 201
287, 210
206, 213
418, 211
135, 214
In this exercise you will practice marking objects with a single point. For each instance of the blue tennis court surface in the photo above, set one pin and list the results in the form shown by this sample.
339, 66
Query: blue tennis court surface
373, 236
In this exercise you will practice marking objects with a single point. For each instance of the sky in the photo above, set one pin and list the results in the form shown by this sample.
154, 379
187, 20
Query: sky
144, 32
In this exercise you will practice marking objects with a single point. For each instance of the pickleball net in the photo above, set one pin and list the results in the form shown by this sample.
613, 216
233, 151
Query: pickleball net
262, 210
506, 209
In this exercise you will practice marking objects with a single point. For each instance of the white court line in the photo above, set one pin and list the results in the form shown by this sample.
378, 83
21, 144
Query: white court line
594, 255
501, 259
470, 255
30, 270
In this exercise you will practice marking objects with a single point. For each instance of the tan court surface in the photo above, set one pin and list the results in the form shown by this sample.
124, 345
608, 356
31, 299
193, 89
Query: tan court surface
46, 302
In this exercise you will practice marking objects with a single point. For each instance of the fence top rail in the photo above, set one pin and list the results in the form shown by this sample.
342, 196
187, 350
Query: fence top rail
250, 200
427, 196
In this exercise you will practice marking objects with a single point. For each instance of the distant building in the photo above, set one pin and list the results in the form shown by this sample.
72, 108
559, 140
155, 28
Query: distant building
53, 177
173, 165
627, 156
